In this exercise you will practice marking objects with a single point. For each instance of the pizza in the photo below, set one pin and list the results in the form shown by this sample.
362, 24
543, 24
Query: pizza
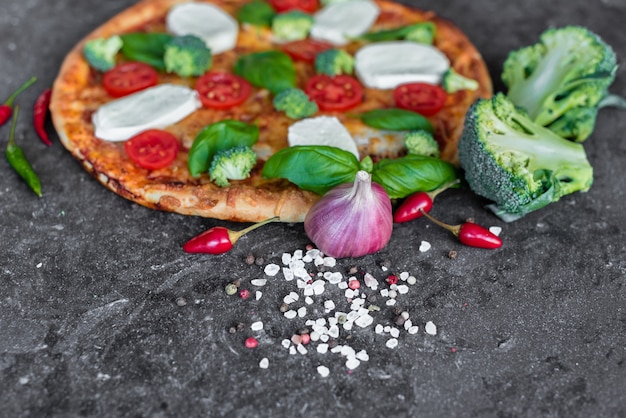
82, 93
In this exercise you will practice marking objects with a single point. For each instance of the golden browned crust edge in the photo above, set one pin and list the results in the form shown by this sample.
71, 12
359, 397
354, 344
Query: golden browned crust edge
240, 202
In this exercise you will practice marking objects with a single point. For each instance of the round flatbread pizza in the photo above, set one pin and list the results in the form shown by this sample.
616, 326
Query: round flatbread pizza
142, 121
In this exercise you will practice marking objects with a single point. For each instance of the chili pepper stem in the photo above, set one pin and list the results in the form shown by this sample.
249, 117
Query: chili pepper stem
235, 235
455, 229
12, 129
443, 188
27, 84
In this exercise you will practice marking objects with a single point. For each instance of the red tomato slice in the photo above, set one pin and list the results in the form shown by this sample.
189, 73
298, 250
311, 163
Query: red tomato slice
340, 92
305, 50
129, 77
152, 149
222, 90
423, 98
308, 6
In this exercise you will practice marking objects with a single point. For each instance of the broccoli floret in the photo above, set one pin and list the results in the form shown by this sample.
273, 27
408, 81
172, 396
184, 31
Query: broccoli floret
568, 68
100, 53
232, 164
421, 143
187, 56
519, 164
295, 103
423, 33
334, 62
452, 82
292, 26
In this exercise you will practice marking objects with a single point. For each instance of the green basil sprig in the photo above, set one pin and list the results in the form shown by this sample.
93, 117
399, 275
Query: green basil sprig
257, 13
273, 70
395, 119
397, 33
146, 47
317, 168
406, 175
218, 137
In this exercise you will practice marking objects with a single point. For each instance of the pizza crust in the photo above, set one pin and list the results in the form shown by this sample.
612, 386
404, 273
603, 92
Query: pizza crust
77, 94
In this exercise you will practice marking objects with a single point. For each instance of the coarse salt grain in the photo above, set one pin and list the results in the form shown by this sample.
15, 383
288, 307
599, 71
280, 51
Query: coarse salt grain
391, 343
315, 336
271, 269
342, 285
364, 321
288, 273
370, 281
394, 332
322, 348
290, 314
379, 329
302, 349
348, 326
430, 328
293, 350
291, 298
258, 282
413, 329
264, 363
333, 331
404, 275
349, 293
424, 246
495, 230
318, 261
330, 262
408, 324
286, 259
403, 289
286, 343
390, 302
258, 295
302, 312
362, 355
323, 371
308, 300
329, 305
411, 280
256, 326
301, 273
352, 363
297, 254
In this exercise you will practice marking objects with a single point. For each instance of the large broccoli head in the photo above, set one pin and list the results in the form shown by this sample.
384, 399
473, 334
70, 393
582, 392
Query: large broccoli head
516, 163
187, 55
569, 69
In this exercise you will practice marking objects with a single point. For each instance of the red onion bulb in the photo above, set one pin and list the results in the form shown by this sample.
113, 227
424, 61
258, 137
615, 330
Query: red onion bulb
352, 219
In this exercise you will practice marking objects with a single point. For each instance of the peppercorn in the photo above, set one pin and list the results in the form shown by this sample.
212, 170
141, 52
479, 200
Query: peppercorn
452, 255
230, 289
249, 260
259, 261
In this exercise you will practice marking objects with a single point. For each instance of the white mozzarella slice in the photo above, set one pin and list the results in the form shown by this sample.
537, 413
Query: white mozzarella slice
322, 130
217, 28
386, 65
338, 22
153, 108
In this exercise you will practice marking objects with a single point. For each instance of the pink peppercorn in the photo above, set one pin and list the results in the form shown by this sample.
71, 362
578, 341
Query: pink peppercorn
305, 339
244, 293
391, 279
251, 342
354, 284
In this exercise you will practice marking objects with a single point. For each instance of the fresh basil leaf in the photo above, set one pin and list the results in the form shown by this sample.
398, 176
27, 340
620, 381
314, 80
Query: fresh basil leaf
257, 13
395, 119
273, 70
146, 47
396, 33
406, 175
317, 168
218, 137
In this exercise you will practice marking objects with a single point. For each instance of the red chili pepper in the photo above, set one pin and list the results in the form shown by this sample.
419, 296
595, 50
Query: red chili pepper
40, 112
6, 109
411, 207
470, 234
219, 240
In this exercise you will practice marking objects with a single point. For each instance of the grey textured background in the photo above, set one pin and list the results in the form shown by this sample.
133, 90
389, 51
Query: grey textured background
102, 314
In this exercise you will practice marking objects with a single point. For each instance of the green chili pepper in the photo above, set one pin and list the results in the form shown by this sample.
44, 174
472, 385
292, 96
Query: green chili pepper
17, 159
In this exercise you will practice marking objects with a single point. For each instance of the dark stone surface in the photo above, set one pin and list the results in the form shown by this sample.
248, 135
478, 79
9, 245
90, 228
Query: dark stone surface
102, 314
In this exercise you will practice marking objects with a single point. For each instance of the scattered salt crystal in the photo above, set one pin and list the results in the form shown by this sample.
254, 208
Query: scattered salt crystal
307, 258
322, 348
330, 262
495, 230
291, 297
364, 321
300, 283
301, 273
323, 371
315, 336
403, 289
318, 287
370, 281
286, 343
333, 331
393, 294
318, 261
271, 269
332, 321
302, 349
258, 295
411, 280
404, 275
264, 363
379, 329
313, 253
286, 259
258, 282
408, 324
336, 349
348, 351
352, 315
405, 315
362, 355
39, 265
413, 329
293, 350
308, 290
349, 293
352, 363
342, 285
324, 338
302, 312
329, 305
296, 264
308, 300
335, 278
390, 302
385, 268
256, 326
384, 293
424, 246
348, 326
394, 332
430, 328
321, 322
387, 328
288, 273
297, 254
392, 343
290, 314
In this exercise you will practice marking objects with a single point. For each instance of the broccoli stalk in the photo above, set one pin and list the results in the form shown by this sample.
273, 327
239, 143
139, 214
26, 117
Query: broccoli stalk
569, 69
334, 62
452, 82
187, 56
295, 103
292, 26
232, 164
421, 143
100, 53
516, 162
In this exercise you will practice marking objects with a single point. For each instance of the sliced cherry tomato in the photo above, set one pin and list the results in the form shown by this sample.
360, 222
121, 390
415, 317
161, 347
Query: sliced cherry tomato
152, 149
340, 92
306, 49
423, 98
308, 6
129, 77
222, 90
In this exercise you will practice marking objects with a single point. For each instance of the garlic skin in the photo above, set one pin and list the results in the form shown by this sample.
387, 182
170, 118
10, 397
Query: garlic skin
352, 219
